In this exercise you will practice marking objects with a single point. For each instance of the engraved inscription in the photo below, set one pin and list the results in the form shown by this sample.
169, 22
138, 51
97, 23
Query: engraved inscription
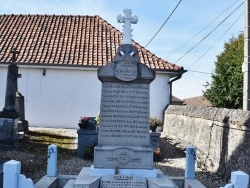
124, 113
125, 71
119, 181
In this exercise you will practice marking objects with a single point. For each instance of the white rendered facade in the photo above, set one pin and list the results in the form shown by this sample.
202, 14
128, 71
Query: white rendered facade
63, 94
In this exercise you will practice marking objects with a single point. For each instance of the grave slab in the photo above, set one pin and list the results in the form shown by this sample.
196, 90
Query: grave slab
161, 181
62, 180
47, 182
193, 183
69, 184
122, 181
85, 180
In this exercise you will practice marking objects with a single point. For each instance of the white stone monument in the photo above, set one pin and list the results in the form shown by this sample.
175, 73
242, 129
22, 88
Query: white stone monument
123, 157
124, 137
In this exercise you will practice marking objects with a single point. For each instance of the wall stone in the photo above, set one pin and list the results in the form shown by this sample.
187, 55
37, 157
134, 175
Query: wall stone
221, 136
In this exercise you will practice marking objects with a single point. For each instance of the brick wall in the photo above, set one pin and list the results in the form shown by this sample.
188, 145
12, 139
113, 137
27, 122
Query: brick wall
221, 136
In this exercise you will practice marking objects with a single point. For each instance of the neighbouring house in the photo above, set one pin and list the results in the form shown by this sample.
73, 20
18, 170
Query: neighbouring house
176, 101
59, 57
197, 101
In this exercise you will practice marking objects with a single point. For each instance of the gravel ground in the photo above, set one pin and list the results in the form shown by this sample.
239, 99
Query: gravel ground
171, 164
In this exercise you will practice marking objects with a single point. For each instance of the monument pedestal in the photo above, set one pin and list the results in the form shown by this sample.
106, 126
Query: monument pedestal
132, 172
123, 157
87, 139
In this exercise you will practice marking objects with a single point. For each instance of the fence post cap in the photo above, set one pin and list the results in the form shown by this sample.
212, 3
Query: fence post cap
190, 146
52, 145
239, 173
12, 166
12, 162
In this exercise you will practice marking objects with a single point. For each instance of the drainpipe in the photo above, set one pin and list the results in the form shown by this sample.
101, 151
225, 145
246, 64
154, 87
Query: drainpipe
170, 86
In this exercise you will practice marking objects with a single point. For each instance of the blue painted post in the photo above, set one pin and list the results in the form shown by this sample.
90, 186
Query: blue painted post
190, 162
239, 179
11, 171
52, 161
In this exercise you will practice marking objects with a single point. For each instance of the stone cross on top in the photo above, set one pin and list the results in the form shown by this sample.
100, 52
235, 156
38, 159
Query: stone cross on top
127, 20
14, 53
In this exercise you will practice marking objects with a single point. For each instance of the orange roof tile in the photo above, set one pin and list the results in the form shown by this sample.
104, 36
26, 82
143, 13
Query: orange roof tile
86, 41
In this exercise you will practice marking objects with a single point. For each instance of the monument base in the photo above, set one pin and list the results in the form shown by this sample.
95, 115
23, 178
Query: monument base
87, 139
145, 173
123, 157
84, 179
8, 131
15, 145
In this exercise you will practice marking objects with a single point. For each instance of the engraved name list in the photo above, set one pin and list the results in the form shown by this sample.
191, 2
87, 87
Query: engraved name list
124, 113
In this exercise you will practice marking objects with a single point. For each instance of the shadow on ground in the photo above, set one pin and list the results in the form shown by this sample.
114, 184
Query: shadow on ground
33, 156
172, 163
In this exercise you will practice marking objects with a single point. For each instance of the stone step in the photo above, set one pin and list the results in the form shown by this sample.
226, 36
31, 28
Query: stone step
69, 184
85, 180
47, 182
161, 181
135, 172
193, 183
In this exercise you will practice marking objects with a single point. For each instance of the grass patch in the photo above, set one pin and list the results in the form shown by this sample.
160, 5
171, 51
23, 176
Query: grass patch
41, 139
34, 149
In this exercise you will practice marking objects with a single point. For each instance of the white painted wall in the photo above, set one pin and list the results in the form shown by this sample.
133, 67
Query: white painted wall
59, 98
159, 95
3, 78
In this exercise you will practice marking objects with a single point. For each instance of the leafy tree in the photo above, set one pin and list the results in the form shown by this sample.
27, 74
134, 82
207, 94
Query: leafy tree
226, 88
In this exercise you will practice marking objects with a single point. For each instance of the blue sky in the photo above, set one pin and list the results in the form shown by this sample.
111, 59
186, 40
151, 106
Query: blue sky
190, 17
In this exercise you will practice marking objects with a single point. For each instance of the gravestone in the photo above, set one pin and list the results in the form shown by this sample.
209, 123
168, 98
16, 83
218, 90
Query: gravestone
9, 116
23, 124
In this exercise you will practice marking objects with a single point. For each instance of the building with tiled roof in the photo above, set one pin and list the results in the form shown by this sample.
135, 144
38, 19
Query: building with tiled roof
59, 57
176, 101
197, 101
